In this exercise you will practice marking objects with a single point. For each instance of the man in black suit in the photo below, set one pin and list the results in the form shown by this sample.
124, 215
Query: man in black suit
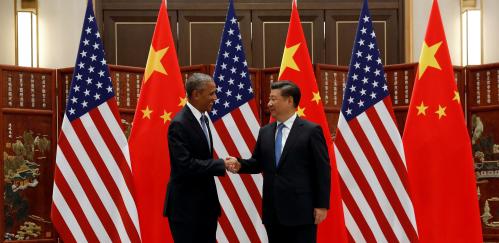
191, 204
293, 156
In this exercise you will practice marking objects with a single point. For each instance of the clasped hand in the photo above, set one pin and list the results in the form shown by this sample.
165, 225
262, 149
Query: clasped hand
231, 164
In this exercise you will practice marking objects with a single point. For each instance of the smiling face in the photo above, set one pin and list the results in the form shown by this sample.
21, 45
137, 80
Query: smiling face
204, 97
280, 107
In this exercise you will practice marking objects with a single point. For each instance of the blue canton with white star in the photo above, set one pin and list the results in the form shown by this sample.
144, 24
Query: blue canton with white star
91, 84
231, 71
366, 84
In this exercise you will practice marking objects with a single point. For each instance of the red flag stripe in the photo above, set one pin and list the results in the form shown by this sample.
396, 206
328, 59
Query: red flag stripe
224, 146
352, 226
234, 221
243, 127
67, 202
68, 219
242, 214
359, 221
226, 229
350, 188
109, 174
365, 187
86, 196
388, 199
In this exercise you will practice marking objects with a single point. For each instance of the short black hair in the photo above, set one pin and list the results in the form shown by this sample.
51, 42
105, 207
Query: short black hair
288, 89
196, 81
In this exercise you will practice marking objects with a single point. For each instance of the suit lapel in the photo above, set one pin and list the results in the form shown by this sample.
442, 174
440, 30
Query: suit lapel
196, 126
290, 141
272, 143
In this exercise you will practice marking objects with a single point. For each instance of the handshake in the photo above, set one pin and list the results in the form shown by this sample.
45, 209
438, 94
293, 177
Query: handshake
231, 164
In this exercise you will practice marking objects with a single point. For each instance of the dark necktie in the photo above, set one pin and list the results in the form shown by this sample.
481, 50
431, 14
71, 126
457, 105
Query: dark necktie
278, 144
204, 125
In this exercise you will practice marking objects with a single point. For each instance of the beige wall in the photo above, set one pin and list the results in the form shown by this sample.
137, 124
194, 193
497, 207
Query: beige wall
60, 23
451, 18
7, 38
490, 30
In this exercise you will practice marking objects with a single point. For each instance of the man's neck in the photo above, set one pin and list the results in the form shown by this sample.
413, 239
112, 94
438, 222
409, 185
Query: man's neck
285, 118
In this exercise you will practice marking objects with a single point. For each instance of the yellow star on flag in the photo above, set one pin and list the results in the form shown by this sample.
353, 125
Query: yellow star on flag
317, 97
300, 111
422, 109
147, 113
287, 59
183, 101
441, 111
166, 116
427, 58
154, 62
457, 97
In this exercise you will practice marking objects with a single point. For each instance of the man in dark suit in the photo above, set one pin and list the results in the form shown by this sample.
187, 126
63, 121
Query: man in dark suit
293, 156
191, 204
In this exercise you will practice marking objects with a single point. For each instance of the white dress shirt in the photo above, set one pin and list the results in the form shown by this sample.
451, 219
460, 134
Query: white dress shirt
286, 129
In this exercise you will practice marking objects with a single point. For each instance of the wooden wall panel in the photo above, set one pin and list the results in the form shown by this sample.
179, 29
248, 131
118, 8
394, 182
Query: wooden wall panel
28, 122
341, 27
270, 29
483, 116
200, 33
128, 35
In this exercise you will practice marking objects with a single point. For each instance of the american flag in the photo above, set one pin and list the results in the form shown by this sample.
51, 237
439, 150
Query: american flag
92, 197
369, 151
235, 128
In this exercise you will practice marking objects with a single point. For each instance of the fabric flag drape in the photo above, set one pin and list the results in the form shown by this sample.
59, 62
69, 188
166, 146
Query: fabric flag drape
297, 67
235, 129
438, 148
93, 199
162, 95
369, 150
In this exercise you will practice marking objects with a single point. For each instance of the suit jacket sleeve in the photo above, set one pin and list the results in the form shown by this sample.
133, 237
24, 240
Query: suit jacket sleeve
322, 168
254, 164
182, 157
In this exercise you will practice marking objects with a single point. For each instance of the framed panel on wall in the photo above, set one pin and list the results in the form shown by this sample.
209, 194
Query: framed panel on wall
128, 35
200, 33
270, 28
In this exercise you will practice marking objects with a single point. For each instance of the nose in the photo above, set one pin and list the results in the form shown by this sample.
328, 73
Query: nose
269, 104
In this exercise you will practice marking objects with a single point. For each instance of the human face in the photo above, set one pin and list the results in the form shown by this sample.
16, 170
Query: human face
204, 98
280, 107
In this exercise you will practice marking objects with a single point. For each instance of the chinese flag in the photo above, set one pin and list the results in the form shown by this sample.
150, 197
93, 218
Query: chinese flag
438, 149
161, 97
297, 67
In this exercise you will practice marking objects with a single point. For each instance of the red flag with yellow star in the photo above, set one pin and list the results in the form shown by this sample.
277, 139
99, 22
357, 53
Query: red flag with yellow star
297, 67
162, 95
438, 149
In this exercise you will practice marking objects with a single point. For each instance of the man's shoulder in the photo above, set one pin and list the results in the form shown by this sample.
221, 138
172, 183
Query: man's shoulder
306, 123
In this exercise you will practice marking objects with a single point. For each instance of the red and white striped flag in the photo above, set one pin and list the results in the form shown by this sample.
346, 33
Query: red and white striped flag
93, 198
369, 152
234, 129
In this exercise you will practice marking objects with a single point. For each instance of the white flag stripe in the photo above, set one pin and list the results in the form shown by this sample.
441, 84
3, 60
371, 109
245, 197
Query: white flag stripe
236, 179
250, 118
118, 135
67, 215
221, 238
370, 176
387, 164
78, 192
352, 226
258, 179
95, 179
392, 130
236, 136
112, 167
231, 213
359, 198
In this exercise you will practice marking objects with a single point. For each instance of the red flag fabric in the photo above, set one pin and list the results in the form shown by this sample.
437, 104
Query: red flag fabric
162, 95
93, 198
297, 67
438, 149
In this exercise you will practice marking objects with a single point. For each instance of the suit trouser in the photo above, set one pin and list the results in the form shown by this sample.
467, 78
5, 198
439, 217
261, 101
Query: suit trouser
202, 231
278, 233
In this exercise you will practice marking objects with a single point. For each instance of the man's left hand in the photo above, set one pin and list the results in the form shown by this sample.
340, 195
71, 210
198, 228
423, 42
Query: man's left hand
320, 214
